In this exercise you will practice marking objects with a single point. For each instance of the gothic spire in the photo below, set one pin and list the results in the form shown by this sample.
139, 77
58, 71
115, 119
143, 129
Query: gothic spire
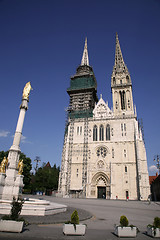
119, 65
85, 59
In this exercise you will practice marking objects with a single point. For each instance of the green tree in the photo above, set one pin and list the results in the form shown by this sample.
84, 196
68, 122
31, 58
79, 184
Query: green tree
26, 170
2, 155
46, 178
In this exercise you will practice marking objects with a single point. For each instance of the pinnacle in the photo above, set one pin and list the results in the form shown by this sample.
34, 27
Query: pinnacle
85, 59
119, 65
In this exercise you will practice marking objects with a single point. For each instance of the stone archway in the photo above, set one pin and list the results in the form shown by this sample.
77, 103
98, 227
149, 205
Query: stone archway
101, 183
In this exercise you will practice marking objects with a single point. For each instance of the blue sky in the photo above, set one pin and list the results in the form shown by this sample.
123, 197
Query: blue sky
42, 41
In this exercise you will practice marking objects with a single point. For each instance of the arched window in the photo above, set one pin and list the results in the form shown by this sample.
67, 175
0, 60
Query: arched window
101, 133
81, 130
112, 152
114, 80
95, 133
77, 130
108, 132
122, 96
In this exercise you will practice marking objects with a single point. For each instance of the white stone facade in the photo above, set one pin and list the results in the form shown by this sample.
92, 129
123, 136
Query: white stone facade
104, 155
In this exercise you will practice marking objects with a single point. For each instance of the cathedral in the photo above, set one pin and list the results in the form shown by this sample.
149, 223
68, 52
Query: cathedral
103, 153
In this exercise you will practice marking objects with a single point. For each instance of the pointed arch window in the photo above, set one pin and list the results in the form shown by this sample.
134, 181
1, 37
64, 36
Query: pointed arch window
122, 96
95, 133
112, 152
127, 78
107, 132
101, 133
81, 130
77, 130
123, 129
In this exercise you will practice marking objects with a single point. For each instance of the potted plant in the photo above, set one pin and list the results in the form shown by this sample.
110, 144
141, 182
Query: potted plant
12, 222
73, 227
123, 230
154, 229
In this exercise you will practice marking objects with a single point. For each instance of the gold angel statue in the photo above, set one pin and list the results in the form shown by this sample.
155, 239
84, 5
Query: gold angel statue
20, 167
26, 90
3, 165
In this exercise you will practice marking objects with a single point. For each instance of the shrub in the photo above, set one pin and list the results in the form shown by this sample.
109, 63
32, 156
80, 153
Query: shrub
15, 210
156, 222
124, 221
75, 218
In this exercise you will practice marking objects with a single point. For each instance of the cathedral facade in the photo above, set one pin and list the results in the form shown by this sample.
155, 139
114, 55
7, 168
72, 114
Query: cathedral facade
103, 154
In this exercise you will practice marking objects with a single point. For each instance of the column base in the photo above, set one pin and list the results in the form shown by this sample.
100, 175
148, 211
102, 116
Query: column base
14, 190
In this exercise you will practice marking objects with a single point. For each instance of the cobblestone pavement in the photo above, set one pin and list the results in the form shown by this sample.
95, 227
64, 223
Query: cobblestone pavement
105, 213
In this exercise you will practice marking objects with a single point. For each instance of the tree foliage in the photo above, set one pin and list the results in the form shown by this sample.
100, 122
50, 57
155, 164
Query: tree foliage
46, 178
2, 155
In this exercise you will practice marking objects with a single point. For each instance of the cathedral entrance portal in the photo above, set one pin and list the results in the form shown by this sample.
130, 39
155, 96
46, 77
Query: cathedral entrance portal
101, 185
101, 192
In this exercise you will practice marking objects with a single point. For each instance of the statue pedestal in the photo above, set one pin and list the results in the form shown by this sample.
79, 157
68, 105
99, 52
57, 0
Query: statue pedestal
2, 178
2, 182
13, 188
18, 185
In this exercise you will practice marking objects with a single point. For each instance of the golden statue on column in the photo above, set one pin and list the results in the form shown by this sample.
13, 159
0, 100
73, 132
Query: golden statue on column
20, 167
3, 165
26, 91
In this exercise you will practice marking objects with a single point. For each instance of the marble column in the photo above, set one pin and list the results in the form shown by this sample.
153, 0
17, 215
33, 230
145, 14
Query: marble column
13, 183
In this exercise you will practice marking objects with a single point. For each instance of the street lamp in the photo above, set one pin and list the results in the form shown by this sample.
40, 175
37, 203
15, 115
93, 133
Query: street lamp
157, 159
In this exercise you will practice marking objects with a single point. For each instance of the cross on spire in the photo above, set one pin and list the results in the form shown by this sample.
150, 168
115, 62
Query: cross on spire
85, 59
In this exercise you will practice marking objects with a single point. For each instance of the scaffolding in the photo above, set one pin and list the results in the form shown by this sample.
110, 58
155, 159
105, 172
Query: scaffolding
83, 95
80, 83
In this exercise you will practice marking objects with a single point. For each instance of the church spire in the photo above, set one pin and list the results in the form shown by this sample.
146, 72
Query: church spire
119, 65
121, 85
85, 59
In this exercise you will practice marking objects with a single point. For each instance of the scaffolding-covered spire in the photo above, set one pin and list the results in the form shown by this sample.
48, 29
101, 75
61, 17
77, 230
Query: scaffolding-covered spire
119, 65
85, 59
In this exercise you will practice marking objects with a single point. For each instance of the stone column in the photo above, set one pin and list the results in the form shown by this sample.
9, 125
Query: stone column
14, 182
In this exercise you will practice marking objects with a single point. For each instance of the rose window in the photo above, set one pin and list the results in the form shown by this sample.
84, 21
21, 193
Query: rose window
102, 151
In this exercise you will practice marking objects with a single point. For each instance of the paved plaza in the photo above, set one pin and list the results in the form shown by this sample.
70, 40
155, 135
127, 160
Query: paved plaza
100, 215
